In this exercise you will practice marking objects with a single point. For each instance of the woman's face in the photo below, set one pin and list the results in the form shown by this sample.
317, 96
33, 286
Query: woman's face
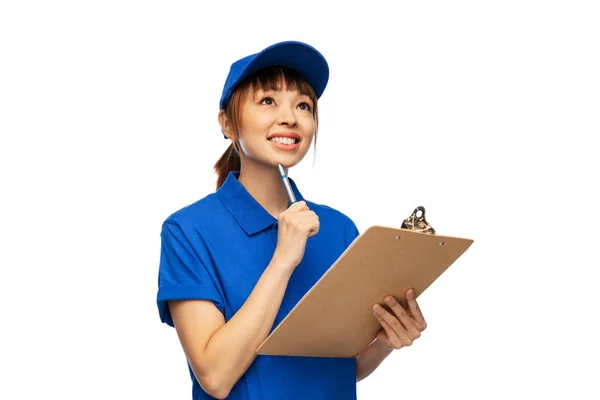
276, 127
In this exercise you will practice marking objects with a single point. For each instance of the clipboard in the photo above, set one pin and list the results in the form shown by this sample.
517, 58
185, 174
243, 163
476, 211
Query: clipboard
334, 318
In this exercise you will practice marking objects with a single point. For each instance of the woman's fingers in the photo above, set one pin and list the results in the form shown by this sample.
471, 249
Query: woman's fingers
406, 326
401, 327
392, 340
396, 326
415, 310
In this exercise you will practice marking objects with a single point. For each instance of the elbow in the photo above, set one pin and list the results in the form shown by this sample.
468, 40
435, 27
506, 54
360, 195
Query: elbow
220, 392
214, 386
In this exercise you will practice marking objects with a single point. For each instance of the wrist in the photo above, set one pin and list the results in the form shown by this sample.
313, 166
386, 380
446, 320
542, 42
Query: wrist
382, 348
281, 267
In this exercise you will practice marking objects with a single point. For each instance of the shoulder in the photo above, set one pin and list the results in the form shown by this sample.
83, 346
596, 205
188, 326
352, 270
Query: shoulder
204, 209
334, 224
331, 214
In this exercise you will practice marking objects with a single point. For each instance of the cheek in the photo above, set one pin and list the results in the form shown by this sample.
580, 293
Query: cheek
258, 122
252, 139
309, 125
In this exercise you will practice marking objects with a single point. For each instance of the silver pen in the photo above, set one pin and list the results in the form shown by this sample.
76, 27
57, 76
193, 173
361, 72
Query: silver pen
286, 184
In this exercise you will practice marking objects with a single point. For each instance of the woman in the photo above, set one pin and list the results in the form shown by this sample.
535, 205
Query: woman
234, 263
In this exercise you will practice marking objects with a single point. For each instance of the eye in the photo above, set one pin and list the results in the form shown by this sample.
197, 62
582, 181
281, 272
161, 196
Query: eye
304, 106
267, 101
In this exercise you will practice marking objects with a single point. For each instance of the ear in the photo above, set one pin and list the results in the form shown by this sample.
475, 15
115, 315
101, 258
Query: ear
225, 124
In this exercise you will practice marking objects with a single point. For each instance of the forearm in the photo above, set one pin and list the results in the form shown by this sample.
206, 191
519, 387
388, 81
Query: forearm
233, 347
370, 359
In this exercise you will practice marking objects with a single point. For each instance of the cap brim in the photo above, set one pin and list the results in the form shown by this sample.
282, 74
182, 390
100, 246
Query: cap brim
305, 59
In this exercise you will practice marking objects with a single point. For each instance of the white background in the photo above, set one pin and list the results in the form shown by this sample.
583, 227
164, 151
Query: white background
486, 113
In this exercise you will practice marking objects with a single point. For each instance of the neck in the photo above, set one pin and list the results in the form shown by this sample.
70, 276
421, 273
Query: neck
264, 184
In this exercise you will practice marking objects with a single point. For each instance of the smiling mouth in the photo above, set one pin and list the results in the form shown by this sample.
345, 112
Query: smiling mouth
285, 141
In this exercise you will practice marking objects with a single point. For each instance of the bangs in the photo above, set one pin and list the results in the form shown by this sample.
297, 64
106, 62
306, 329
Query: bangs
279, 78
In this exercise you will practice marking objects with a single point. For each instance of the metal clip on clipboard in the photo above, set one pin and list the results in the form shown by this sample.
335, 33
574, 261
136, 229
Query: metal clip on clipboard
417, 222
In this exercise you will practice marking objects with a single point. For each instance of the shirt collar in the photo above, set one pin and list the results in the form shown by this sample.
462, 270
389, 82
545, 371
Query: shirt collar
248, 213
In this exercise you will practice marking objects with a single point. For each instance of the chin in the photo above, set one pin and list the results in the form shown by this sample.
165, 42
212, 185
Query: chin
289, 161
285, 163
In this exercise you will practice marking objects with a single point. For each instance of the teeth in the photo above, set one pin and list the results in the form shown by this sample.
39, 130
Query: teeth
283, 140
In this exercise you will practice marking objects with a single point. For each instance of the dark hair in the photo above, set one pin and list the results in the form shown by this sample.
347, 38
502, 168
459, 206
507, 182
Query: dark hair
269, 78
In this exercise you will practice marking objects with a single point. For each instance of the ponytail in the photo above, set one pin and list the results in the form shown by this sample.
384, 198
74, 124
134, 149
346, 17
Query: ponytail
229, 161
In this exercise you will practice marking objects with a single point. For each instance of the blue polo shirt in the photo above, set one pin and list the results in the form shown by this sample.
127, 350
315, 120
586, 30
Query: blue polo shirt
217, 249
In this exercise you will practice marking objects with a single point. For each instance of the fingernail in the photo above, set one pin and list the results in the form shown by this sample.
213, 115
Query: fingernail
389, 300
376, 308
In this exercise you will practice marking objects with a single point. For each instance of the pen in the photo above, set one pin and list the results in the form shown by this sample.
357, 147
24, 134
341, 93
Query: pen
286, 184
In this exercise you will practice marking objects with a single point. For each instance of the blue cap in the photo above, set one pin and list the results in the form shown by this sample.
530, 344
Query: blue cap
296, 55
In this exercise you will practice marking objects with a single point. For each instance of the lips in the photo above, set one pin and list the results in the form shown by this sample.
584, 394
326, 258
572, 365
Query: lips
285, 147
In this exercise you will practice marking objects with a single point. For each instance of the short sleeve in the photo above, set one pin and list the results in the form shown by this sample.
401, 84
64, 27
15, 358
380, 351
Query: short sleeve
182, 275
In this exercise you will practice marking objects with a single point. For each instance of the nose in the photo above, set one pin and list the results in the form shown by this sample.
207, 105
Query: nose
287, 116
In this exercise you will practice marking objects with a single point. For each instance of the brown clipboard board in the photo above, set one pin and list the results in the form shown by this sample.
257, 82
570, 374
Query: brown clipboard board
334, 318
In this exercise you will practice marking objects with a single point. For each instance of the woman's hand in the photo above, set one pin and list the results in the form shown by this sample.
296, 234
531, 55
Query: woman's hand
402, 327
296, 225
